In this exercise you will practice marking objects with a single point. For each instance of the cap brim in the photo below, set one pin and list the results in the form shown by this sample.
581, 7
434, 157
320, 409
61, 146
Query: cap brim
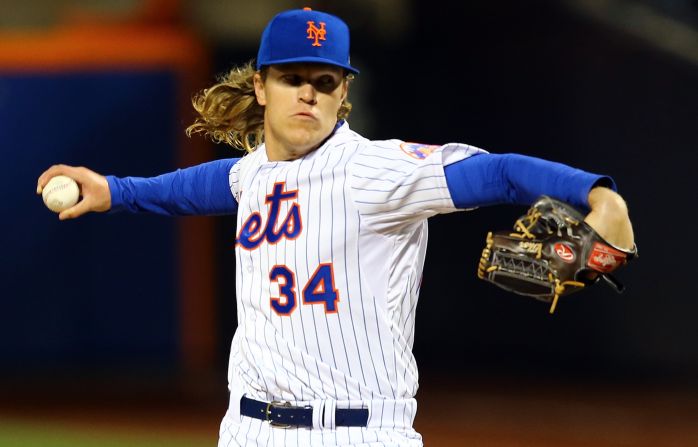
318, 60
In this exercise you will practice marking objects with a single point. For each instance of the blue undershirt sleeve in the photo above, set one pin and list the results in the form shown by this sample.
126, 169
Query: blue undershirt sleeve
490, 179
198, 190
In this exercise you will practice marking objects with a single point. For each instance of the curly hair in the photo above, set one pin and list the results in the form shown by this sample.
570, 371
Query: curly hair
229, 112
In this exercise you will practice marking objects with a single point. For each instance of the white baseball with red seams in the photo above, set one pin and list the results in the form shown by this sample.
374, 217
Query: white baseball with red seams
60, 193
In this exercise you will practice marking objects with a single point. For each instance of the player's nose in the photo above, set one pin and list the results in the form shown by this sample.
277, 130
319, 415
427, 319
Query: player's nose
307, 93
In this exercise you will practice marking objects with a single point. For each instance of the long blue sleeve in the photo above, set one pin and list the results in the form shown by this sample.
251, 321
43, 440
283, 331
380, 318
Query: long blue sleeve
489, 179
198, 190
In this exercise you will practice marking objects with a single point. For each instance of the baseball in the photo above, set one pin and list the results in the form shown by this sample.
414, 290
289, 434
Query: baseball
60, 193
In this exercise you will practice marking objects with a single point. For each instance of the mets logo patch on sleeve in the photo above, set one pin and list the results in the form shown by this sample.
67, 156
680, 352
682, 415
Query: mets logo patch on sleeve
418, 150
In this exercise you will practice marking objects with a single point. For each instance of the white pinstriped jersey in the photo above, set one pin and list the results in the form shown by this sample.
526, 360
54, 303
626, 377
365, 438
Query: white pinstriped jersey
330, 250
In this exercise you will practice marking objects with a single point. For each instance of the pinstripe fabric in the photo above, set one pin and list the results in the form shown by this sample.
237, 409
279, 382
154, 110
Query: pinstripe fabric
348, 218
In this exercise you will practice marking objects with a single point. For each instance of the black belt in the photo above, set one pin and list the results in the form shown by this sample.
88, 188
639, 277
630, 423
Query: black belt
280, 414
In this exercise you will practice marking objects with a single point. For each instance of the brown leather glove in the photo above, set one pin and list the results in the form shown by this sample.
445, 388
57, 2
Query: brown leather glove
552, 252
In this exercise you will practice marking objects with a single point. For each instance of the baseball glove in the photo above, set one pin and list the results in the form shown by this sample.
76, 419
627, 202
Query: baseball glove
552, 252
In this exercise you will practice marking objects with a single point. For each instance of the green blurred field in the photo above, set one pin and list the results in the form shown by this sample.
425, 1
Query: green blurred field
24, 433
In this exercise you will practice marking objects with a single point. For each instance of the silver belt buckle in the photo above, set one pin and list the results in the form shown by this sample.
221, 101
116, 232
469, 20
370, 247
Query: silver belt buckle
274, 404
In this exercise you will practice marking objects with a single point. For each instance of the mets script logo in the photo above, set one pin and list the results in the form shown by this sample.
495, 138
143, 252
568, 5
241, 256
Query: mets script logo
254, 231
418, 150
316, 34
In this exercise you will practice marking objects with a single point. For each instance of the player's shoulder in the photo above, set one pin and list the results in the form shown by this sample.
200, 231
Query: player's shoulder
420, 152
344, 136
251, 159
398, 150
244, 168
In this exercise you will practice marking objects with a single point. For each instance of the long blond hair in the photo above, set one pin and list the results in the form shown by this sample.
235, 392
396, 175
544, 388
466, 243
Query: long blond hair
229, 112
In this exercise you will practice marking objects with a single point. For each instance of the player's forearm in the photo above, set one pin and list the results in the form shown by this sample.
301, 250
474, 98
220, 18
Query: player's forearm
490, 179
198, 190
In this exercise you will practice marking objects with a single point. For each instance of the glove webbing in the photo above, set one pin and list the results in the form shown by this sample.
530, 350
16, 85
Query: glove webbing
525, 233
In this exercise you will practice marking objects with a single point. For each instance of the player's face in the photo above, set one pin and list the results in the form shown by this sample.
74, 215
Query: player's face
301, 103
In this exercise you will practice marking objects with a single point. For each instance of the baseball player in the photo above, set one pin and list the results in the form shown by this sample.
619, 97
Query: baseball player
331, 237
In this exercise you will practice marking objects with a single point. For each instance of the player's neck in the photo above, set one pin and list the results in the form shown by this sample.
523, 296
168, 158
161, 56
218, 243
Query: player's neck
283, 150
279, 152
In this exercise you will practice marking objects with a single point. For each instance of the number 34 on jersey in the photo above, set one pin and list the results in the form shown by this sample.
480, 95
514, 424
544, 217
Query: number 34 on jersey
319, 289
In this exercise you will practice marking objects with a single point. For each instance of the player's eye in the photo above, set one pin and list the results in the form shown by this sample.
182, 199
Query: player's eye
326, 83
292, 79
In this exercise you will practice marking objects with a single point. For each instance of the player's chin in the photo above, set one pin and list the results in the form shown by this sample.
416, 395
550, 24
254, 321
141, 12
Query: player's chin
307, 139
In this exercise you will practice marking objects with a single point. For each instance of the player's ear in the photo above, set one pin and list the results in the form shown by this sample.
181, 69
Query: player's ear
259, 89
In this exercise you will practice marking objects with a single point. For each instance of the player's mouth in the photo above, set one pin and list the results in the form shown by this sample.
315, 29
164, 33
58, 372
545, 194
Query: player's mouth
305, 115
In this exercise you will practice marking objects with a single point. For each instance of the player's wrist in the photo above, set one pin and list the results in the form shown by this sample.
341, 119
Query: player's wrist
606, 201
116, 201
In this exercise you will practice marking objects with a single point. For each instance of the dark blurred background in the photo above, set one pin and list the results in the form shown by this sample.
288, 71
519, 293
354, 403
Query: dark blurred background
146, 302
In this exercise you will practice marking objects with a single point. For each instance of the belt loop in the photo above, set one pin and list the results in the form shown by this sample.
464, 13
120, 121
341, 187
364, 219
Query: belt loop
234, 405
330, 413
318, 409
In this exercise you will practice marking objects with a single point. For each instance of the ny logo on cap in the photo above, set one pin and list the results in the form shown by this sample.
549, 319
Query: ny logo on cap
316, 33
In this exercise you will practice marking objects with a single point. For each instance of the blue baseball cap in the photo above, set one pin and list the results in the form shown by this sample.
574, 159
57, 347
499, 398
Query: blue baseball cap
304, 35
